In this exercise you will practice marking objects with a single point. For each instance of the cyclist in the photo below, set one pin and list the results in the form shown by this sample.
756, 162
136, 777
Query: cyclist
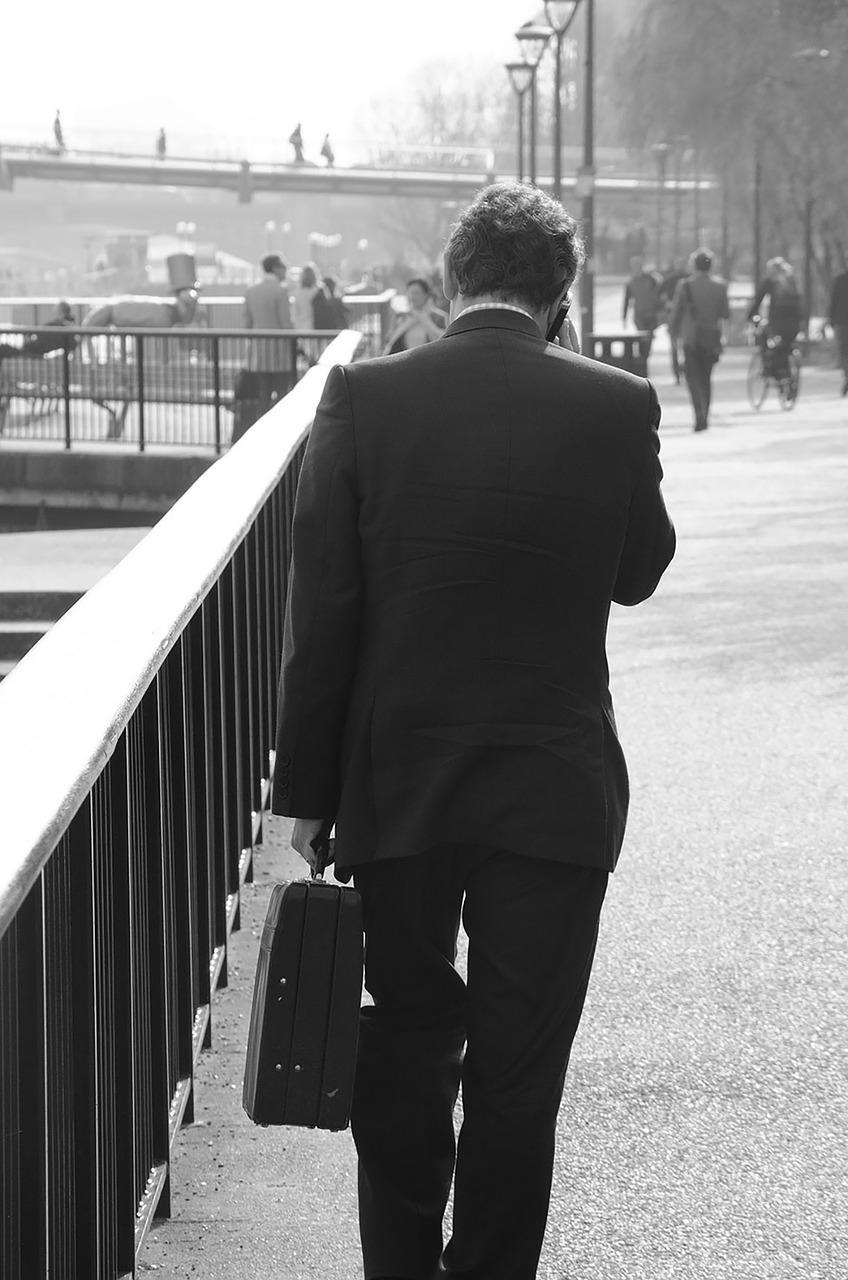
784, 315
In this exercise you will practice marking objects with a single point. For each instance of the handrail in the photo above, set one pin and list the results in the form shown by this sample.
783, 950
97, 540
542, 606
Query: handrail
204, 300
177, 330
64, 706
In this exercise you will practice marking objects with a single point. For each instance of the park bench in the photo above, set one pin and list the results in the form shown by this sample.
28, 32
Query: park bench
116, 370
44, 383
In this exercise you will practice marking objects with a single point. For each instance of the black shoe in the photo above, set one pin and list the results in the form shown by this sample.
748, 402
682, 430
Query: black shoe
845, 385
700, 426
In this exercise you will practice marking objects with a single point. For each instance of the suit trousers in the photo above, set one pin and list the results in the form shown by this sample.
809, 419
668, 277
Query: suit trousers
698, 370
504, 1036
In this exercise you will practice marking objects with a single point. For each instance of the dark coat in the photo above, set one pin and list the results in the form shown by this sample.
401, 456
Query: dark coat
466, 512
838, 309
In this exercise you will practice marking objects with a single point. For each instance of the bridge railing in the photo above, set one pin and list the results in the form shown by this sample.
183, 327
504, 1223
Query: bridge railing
135, 765
370, 314
191, 387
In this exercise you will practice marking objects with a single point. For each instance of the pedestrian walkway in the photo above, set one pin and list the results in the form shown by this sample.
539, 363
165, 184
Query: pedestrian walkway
702, 1132
62, 559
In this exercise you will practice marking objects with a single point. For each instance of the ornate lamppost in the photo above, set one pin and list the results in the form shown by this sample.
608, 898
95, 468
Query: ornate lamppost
660, 151
521, 77
532, 41
560, 14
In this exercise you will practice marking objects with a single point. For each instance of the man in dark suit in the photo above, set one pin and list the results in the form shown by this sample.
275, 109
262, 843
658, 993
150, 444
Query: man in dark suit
466, 513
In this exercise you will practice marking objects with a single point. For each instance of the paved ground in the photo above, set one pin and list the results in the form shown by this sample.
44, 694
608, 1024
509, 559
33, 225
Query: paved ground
702, 1135
62, 559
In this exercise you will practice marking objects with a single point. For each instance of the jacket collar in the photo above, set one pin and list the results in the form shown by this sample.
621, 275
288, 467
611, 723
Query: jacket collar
492, 318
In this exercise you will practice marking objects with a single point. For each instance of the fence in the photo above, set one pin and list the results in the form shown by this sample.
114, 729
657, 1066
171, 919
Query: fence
197, 388
369, 314
135, 765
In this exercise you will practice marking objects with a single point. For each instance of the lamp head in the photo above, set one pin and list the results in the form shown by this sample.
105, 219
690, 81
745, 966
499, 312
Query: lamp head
532, 39
559, 14
520, 76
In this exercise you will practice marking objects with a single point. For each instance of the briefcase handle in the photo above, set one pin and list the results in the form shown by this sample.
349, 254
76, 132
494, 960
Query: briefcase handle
323, 848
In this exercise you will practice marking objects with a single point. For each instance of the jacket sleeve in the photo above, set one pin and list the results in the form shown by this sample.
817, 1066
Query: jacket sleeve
323, 613
650, 539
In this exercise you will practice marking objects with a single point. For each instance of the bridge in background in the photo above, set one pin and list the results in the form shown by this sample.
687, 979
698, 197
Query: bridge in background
441, 174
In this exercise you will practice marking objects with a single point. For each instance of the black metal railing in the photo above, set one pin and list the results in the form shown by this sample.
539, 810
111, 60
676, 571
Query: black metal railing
369, 314
192, 387
135, 765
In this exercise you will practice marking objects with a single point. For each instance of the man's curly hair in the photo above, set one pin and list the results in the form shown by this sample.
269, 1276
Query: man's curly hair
517, 243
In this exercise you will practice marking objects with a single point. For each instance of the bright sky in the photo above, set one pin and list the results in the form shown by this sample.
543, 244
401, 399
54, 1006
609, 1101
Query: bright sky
237, 70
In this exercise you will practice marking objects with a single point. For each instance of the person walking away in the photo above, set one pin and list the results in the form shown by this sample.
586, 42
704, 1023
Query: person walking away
785, 313
422, 323
58, 132
327, 151
700, 306
837, 316
466, 512
308, 288
328, 310
161, 145
337, 313
642, 292
678, 271
296, 141
270, 372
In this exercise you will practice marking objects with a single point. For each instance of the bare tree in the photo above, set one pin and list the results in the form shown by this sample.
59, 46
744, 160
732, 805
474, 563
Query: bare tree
761, 88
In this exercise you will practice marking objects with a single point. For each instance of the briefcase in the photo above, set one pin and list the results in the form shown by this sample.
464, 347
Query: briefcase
304, 1022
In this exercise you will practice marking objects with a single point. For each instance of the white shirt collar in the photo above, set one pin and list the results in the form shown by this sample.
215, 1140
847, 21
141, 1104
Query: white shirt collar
495, 306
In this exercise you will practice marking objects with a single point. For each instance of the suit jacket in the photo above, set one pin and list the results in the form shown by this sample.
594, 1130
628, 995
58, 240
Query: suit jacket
699, 300
466, 512
267, 306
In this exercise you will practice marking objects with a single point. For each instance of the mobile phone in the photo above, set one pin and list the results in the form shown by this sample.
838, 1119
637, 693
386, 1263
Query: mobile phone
558, 320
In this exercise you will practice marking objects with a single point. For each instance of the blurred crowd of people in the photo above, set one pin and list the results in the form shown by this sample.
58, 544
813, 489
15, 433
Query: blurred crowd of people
693, 303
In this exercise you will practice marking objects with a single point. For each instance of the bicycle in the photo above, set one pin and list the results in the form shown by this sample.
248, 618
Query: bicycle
774, 363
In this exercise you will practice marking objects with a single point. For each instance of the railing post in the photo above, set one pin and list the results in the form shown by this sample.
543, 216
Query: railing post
139, 347
66, 387
216, 390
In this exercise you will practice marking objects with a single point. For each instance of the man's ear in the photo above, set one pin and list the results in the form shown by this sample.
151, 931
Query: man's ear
449, 284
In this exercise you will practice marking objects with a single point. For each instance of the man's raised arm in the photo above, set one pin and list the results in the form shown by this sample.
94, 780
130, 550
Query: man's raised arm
650, 539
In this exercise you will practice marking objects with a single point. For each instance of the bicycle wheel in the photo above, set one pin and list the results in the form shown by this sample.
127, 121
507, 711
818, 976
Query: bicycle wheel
757, 381
789, 387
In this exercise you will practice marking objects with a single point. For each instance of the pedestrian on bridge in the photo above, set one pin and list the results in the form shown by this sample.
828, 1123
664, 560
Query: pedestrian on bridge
466, 513
58, 132
327, 151
296, 140
161, 145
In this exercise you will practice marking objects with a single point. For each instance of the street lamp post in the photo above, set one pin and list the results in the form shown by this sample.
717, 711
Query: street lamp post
560, 14
520, 77
587, 176
532, 40
660, 150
